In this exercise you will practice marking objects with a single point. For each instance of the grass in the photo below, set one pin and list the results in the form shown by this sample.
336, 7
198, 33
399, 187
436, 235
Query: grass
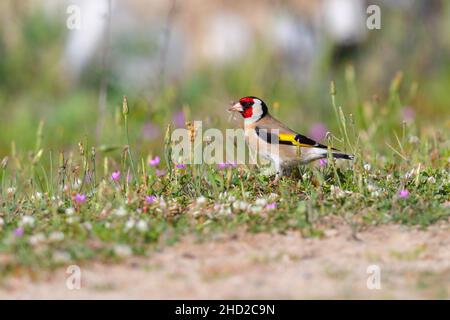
58, 209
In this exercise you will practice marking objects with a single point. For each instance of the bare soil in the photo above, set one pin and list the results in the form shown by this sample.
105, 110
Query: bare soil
413, 264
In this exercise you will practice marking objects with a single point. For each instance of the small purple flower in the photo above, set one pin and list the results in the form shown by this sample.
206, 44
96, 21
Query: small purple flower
408, 114
318, 131
179, 119
115, 176
18, 232
80, 198
271, 206
222, 166
403, 194
323, 162
232, 164
155, 161
180, 166
150, 199
160, 173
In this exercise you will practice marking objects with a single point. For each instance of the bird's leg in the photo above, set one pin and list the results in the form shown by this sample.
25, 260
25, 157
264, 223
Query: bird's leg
275, 181
277, 175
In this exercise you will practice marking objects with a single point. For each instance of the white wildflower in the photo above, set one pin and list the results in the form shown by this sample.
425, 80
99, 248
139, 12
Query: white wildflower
431, 180
272, 196
240, 205
255, 209
195, 213
56, 236
375, 194
413, 139
70, 211
225, 211
367, 167
162, 203
77, 184
201, 200
10, 191
36, 239
130, 224
142, 226
222, 195
36, 196
261, 202
338, 192
87, 225
122, 250
27, 221
120, 212
412, 173
243, 205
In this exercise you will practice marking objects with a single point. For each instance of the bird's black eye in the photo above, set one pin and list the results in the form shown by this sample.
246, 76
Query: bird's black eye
246, 104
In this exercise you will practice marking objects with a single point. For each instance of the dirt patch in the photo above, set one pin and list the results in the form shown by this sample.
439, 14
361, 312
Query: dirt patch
413, 264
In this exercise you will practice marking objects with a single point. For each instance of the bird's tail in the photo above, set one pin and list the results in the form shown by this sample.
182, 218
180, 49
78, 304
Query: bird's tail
339, 155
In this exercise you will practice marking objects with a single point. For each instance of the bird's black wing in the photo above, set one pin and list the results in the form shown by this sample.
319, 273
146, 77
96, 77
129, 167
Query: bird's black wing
292, 139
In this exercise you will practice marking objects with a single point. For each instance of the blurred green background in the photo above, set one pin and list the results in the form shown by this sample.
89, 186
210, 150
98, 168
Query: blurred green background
178, 60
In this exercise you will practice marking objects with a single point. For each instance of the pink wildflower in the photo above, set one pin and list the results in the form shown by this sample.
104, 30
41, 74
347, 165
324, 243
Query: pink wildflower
80, 198
271, 206
18, 232
155, 161
323, 162
150, 199
115, 176
160, 173
403, 194
222, 166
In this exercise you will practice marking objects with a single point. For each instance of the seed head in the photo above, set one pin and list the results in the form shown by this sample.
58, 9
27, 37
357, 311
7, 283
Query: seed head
125, 109
4, 162
333, 88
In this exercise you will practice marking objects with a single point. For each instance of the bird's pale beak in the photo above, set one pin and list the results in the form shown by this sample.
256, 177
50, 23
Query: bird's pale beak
237, 107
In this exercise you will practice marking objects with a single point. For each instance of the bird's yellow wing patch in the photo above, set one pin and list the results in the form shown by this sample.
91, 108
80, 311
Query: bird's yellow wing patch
290, 139
287, 138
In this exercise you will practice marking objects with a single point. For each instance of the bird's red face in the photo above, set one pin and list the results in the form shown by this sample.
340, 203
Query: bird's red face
251, 108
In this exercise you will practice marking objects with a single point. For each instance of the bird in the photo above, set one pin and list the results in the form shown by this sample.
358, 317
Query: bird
274, 141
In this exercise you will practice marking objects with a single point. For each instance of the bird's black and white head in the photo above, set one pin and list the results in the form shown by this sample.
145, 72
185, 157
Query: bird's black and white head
251, 108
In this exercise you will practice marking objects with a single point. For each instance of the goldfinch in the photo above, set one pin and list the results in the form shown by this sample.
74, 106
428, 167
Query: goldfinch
275, 141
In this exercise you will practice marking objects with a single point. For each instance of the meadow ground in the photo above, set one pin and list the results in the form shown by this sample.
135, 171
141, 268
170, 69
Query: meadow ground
149, 229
